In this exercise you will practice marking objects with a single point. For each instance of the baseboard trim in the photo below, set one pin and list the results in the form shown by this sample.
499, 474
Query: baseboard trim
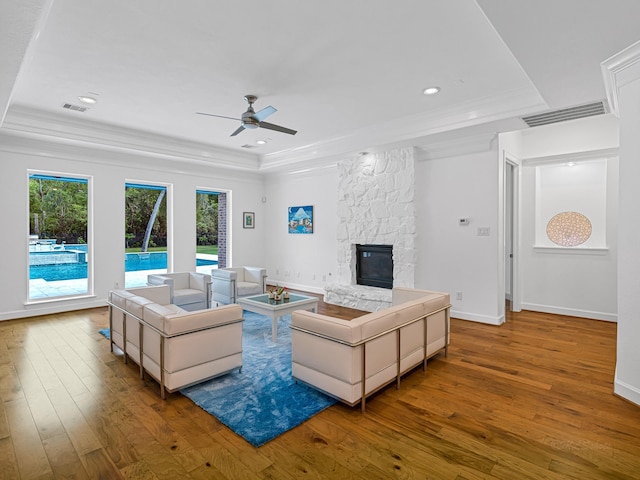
474, 317
51, 309
626, 391
571, 312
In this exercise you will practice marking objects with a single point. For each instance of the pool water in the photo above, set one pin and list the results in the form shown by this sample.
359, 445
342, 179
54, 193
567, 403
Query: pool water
133, 262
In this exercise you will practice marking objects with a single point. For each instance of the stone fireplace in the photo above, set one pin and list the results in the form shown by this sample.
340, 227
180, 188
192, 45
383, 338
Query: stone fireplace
375, 207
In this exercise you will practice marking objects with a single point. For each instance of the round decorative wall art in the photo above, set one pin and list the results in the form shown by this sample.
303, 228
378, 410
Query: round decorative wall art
569, 229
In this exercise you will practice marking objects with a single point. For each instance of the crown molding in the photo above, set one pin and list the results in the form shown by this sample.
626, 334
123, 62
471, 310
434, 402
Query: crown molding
618, 70
61, 129
403, 131
27, 144
456, 147
571, 157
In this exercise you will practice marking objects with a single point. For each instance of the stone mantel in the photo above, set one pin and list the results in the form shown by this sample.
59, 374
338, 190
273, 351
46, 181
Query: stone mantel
369, 299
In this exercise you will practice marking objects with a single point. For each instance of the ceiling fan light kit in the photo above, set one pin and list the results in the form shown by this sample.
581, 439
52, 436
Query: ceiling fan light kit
252, 119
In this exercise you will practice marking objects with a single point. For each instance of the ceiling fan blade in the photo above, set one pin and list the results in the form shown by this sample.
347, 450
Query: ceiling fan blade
240, 128
264, 113
219, 116
277, 128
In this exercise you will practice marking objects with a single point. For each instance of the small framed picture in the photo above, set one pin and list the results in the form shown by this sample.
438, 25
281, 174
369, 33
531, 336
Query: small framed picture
248, 220
301, 219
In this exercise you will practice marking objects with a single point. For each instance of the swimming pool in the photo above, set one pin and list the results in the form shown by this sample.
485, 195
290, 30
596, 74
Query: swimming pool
133, 262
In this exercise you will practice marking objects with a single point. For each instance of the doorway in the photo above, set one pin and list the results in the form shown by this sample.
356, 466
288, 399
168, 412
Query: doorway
512, 298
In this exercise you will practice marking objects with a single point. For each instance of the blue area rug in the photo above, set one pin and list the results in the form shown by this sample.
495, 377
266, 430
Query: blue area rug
262, 401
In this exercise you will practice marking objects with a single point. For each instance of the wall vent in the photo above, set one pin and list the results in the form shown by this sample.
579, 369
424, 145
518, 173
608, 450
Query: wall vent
564, 114
75, 108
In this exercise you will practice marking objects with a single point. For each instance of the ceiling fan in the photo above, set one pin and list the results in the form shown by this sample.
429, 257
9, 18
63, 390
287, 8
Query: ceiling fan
252, 119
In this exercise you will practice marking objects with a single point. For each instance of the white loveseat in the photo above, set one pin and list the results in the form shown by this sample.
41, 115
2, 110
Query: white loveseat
228, 284
335, 355
176, 347
188, 290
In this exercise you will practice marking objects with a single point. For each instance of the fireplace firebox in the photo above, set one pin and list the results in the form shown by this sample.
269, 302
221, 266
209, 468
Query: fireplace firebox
374, 265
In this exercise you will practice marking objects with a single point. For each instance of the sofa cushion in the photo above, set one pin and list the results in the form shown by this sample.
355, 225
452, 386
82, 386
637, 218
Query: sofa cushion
337, 328
186, 296
187, 321
135, 305
117, 297
173, 320
248, 288
155, 314
404, 294
375, 323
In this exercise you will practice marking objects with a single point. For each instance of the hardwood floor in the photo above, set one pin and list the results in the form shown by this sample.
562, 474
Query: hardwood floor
531, 399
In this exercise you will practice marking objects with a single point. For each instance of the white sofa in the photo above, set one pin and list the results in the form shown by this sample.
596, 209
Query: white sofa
335, 355
189, 290
176, 347
228, 284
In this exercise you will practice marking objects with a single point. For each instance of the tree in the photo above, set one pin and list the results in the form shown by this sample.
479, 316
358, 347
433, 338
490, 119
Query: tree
140, 204
152, 219
58, 208
207, 219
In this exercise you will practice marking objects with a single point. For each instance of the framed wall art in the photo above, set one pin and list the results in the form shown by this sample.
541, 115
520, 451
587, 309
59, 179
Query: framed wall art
300, 219
248, 219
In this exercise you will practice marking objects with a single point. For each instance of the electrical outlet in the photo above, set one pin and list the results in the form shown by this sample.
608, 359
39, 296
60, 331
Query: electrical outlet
458, 295
324, 278
298, 274
277, 271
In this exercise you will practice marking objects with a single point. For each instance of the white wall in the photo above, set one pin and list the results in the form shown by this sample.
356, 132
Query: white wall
109, 170
305, 261
451, 257
579, 283
627, 381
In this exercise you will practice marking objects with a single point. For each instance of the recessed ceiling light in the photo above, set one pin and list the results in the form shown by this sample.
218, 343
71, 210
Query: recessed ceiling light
261, 142
431, 90
87, 99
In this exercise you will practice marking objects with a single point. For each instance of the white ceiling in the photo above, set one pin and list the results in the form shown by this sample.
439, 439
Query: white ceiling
347, 74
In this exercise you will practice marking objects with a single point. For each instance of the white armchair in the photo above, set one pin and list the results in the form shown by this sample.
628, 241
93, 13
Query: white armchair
189, 290
227, 284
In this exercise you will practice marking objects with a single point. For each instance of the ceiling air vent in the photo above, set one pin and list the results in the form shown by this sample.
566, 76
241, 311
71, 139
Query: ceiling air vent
564, 114
75, 108
246, 145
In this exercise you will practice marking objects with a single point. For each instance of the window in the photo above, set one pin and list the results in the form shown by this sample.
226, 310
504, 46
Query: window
145, 232
206, 231
59, 259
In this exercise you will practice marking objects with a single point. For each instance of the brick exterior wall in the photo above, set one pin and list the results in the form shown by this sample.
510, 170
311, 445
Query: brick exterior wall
222, 230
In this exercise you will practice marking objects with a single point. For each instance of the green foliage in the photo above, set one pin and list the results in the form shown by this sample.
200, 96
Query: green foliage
58, 209
206, 219
139, 203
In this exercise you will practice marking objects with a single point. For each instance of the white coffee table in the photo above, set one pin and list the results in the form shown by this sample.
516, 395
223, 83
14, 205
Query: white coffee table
263, 305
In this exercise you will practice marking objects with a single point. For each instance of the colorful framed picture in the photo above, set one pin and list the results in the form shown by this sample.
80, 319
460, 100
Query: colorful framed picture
248, 220
300, 219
